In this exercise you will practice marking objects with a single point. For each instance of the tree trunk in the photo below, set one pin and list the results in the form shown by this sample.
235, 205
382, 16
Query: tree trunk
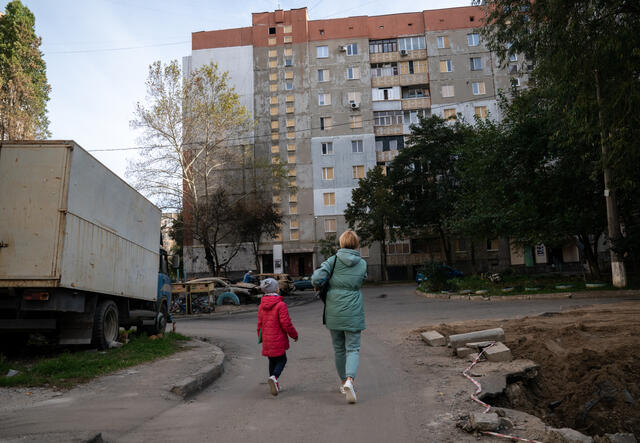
383, 258
591, 255
209, 257
446, 246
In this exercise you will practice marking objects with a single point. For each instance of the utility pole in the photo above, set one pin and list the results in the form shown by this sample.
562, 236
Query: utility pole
618, 272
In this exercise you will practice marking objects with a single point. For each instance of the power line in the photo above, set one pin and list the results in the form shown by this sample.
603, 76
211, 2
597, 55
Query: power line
124, 48
268, 136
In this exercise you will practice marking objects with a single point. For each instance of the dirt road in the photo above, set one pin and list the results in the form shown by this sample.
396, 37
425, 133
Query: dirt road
398, 388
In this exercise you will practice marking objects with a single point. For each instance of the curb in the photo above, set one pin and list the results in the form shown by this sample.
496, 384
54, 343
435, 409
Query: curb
549, 296
203, 377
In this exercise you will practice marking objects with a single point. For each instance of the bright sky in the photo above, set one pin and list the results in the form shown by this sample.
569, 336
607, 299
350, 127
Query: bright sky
98, 51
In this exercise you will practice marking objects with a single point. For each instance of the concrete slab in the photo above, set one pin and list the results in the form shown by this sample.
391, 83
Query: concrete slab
498, 352
492, 385
566, 435
464, 351
484, 422
458, 340
434, 338
621, 437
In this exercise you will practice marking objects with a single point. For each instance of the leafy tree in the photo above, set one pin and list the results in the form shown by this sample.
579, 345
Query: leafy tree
328, 245
24, 91
372, 212
257, 219
586, 58
424, 179
197, 156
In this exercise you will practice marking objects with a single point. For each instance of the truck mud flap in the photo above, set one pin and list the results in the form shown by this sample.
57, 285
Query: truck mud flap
25, 324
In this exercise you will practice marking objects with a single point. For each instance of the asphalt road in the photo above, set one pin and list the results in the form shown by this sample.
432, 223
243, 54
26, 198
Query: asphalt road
238, 406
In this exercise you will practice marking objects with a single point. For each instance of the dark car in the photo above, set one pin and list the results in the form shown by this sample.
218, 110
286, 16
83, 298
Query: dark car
303, 283
451, 273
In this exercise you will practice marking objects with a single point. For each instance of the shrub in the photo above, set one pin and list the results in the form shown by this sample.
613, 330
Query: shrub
437, 276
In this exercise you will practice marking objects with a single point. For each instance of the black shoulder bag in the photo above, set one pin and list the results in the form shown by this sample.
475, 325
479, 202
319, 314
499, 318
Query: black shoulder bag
324, 289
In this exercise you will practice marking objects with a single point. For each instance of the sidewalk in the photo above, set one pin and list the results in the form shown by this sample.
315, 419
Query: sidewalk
621, 293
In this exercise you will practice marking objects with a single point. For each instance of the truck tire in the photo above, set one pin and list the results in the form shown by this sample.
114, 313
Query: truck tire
228, 296
160, 323
105, 324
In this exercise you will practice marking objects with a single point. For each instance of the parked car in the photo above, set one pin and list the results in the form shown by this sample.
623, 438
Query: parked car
451, 273
284, 281
303, 283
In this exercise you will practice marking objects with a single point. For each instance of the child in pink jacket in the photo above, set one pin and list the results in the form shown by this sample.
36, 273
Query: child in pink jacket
274, 324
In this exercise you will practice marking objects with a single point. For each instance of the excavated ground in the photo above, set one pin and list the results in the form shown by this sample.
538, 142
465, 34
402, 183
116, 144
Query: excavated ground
589, 377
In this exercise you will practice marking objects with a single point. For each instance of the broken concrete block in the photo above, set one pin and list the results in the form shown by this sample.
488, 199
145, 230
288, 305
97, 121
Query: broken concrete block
621, 437
472, 357
492, 385
498, 352
434, 338
479, 344
458, 340
464, 351
484, 422
566, 435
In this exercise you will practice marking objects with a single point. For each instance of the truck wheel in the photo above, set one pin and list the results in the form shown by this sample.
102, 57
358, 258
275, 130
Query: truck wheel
160, 323
105, 324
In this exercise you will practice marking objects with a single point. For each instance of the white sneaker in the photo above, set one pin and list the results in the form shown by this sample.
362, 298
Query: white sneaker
350, 391
273, 385
342, 389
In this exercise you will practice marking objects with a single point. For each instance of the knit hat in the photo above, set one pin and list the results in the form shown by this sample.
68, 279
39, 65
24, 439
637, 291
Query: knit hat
269, 285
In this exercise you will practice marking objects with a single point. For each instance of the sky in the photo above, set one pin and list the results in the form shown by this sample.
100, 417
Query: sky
98, 52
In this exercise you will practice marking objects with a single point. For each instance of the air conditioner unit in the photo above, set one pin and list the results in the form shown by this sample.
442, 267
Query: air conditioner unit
403, 52
355, 105
342, 48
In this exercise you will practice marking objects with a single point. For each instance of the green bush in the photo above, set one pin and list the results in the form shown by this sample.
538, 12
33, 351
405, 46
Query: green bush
437, 276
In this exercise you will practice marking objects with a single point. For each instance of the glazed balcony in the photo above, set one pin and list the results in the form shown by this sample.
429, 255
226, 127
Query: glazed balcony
386, 156
388, 130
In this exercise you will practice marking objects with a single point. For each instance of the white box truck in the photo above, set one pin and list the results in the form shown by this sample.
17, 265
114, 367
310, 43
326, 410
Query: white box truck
79, 248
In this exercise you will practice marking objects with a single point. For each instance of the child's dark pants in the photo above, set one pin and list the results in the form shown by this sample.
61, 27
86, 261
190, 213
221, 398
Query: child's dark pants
276, 365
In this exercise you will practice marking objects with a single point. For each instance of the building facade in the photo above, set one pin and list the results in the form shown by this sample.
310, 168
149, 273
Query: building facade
334, 98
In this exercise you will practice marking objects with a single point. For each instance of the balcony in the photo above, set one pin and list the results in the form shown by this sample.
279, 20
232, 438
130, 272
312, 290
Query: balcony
416, 103
386, 57
388, 130
386, 81
414, 79
418, 54
386, 156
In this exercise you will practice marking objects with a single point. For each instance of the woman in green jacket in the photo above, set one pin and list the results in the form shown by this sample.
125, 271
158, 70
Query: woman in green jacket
344, 309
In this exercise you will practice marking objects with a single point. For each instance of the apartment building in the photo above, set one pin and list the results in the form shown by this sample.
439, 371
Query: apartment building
333, 98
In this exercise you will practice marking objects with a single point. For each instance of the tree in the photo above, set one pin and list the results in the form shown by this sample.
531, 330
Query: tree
197, 138
424, 178
585, 55
24, 91
328, 245
372, 212
258, 219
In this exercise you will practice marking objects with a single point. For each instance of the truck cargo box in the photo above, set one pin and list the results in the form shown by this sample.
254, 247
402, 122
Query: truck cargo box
67, 221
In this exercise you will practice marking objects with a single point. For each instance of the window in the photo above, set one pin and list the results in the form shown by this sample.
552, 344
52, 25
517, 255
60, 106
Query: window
393, 145
287, 29
273, 53
414, 67
493, 244
515, 81
415, 93
288, 75
448, 91
356, 121
475, 63
323, 75
480, 111
327, 173
353, 73
273, 63
357, 146
329, 198
384, 69
288, 52
291, 147
513, 69
275, 136
327, 148
354, 97
291, 134
272, 41
330, 225
324, 99
478, 88
513, 57
275, 160
273, 100
276, 199
288, 61
272, 30
291, 158
292, 182
446, 66
413, 117
289, 98
322, 51
461, 245
364, 251
473, 39
291, 123
388, 45
325, 123
450, 114
358, 171
273, 88
387, 118
288, 39
411, 43
274, 124
352, 49
274, 110
399, 247
273, 77
288, 86
443, 42
294, 235
293, 208
290, 109
275, 149
293, 224
278, 236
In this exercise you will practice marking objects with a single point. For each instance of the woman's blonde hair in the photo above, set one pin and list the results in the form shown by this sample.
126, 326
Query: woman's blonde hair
349, 240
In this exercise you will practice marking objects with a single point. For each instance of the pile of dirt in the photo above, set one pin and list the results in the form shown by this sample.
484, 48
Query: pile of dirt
589, 367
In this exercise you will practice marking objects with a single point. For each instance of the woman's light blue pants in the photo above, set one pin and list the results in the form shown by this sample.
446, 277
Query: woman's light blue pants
346, 347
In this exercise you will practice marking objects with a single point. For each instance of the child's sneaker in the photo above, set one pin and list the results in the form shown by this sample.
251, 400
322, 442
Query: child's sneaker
350, 391
273, 385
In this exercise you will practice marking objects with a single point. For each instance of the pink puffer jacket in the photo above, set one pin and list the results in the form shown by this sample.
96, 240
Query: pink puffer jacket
273, 318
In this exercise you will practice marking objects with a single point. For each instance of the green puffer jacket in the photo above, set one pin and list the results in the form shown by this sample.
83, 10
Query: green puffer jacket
344, 308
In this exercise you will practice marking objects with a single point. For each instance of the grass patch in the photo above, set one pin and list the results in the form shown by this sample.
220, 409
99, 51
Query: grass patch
70, 368
521, 284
